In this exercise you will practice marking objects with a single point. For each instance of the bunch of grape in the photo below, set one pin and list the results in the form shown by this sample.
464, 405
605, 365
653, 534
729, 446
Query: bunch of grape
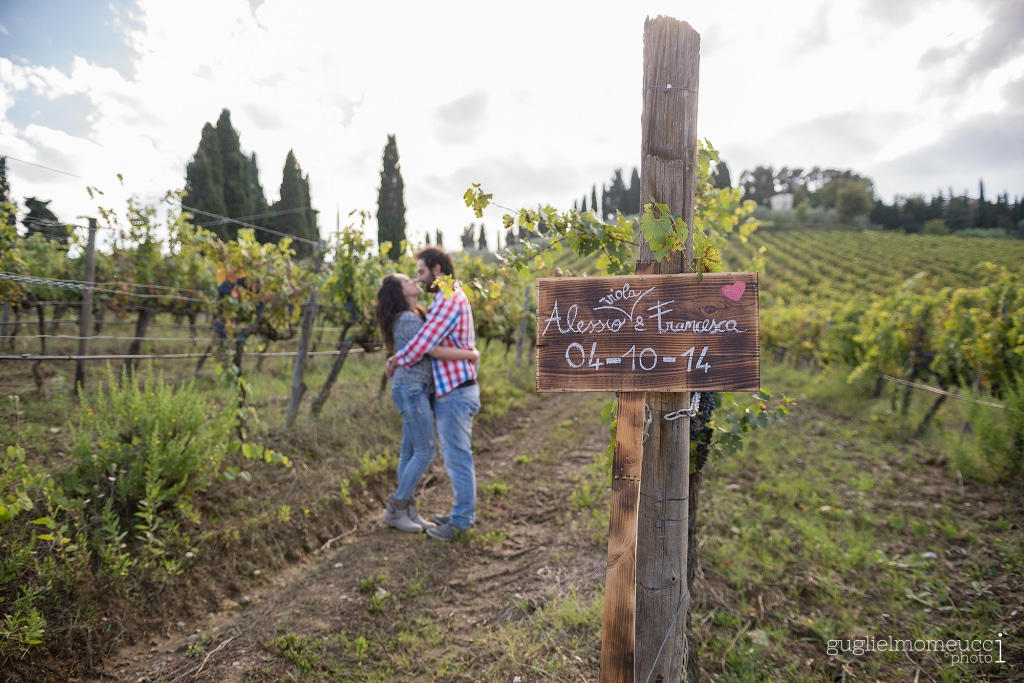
700, 430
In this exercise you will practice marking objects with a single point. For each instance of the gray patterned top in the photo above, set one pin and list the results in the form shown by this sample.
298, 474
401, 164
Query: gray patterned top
406, 327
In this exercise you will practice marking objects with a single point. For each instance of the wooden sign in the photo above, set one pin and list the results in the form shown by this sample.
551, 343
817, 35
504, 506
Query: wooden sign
648, 333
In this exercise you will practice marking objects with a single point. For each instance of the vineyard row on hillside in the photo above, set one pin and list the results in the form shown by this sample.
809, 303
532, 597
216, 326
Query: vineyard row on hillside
943, 310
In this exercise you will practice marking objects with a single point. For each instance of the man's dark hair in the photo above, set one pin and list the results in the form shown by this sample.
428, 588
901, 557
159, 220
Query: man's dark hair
434, 256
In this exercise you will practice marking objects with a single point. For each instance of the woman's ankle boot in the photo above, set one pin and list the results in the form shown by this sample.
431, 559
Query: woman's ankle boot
414, 515
397, 515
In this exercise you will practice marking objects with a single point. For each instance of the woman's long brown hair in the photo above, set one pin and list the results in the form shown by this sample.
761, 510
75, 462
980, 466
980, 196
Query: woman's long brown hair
391, 304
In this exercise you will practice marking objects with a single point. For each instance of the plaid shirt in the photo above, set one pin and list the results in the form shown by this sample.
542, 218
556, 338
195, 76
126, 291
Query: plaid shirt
449, 323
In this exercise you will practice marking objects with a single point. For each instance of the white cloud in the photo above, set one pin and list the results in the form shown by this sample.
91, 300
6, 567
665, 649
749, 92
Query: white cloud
537, 100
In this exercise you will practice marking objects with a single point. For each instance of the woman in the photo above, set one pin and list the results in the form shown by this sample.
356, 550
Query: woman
400, 316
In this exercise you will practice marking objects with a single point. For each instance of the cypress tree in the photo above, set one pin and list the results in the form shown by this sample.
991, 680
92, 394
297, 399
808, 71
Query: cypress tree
614, 196
593, 197
468, 239
7, 208
632, 203
222, 180
722, 177
984, 217
238, 194
296, 216
204, 184
439, 238
259, 202
391, 201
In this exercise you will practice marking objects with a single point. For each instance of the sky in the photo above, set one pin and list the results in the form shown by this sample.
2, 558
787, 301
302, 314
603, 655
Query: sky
536, 101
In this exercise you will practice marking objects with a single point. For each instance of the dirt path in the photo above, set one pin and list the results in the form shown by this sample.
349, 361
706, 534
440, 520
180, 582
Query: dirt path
383, 585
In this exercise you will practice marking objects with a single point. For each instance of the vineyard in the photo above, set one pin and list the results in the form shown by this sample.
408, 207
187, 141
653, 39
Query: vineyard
200, 481
191, 295
948, 312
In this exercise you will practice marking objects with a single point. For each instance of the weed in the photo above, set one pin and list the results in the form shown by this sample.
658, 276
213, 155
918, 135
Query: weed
583, 497
371, 584
202, 642
496, 489
413, 588
378, 601
296, 650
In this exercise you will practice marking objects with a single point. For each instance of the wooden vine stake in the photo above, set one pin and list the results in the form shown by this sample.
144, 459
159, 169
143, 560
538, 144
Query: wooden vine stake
85, 316
655, 337
668, 173
309, 313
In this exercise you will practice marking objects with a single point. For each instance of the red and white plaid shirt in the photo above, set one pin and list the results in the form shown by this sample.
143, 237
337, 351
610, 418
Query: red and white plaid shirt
449, 323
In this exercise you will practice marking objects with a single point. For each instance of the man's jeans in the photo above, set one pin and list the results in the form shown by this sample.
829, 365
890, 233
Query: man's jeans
418, 443
454, 414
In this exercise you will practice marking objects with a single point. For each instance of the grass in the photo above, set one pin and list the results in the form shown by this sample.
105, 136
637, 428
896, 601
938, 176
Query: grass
811, 538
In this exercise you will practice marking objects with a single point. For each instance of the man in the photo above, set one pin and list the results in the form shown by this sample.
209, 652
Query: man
449, 323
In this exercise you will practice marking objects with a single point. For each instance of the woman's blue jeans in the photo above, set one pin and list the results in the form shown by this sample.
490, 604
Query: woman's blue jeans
419, 444
454, 413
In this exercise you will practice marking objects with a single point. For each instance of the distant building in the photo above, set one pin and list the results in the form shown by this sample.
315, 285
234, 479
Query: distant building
782, 202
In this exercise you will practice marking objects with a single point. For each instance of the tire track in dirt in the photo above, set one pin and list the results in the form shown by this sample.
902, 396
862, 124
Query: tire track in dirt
460, 588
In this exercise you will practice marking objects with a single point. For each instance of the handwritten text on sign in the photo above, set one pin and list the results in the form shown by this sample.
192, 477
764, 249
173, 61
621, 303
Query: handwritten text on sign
648, 333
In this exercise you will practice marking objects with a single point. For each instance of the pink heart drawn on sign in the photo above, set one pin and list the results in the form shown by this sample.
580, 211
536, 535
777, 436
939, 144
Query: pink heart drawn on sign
734, 291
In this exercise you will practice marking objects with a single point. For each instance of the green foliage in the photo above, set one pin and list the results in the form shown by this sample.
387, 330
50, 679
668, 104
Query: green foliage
143, 448
23, 626
740, 418
719, 216
120, 512
353, 273
372, 583
16, 484
999, 454
936, 226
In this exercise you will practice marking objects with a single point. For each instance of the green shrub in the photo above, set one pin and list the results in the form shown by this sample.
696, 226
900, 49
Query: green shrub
140, 452
997, 454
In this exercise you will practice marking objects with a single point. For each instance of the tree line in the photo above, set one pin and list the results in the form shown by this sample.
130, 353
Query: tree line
223, 191
852, 196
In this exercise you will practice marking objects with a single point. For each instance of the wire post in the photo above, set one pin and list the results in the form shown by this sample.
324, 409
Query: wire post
524, 328
85, 317
4, 322
298, 386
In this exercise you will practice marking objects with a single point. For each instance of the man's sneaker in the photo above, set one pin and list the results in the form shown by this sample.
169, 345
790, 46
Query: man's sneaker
441, 519
446, 532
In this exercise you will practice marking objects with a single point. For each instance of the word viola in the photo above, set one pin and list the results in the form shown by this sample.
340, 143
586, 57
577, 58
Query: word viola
644, 359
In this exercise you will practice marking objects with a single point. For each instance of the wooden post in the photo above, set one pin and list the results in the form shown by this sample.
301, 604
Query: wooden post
308, 315
4, 319
617, 641
85, 317
668, 174
523, 328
